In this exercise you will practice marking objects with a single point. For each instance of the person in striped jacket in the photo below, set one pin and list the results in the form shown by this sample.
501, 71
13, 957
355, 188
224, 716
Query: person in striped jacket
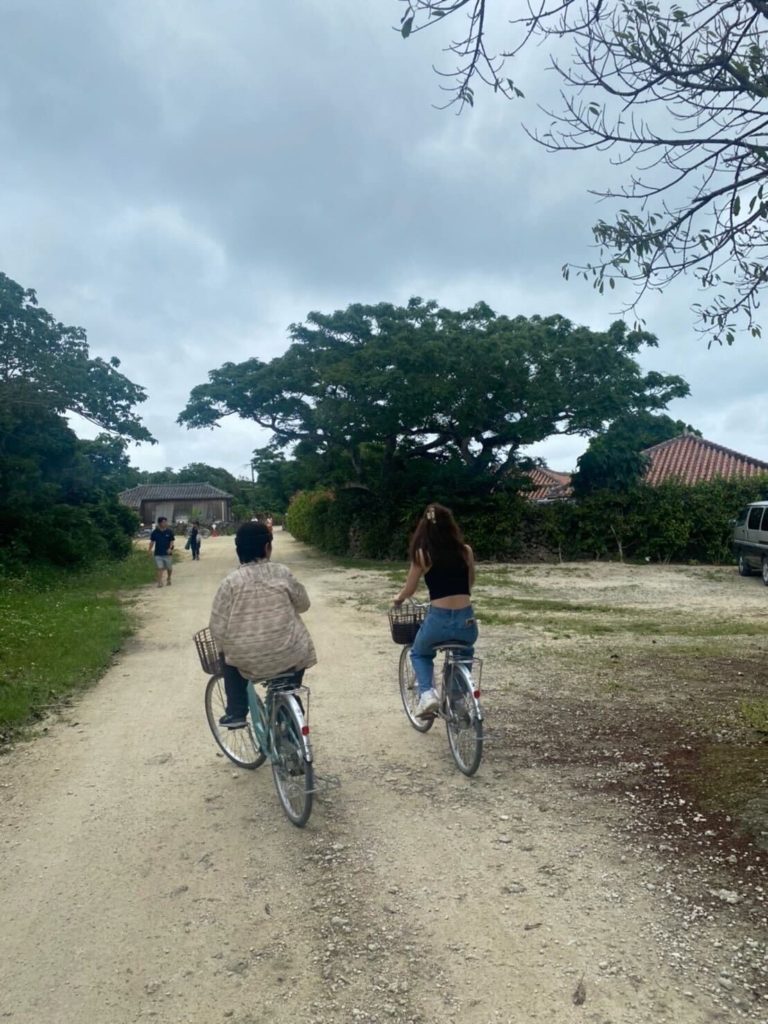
256, 622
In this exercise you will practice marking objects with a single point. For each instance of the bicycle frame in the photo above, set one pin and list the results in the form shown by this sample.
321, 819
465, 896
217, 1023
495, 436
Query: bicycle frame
454, 664
263, 719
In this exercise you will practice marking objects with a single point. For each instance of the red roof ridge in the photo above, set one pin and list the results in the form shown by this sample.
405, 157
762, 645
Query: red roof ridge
707, 444
555, 474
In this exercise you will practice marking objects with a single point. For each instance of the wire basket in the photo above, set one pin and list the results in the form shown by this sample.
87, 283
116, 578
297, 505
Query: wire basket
207, 652
404, 621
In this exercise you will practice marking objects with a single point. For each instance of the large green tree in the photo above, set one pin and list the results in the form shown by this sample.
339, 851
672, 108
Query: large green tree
678, 94
615, 459
110, 463
366, 390
46, 365
57, 493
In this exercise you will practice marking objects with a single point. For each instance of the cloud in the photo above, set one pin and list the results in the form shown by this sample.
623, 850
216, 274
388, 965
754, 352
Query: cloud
186, 179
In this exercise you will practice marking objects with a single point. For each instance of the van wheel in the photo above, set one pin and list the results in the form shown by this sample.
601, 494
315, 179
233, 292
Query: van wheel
744, 567
765, 570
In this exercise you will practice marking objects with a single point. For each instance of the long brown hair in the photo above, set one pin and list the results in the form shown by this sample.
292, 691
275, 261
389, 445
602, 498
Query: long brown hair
438, 536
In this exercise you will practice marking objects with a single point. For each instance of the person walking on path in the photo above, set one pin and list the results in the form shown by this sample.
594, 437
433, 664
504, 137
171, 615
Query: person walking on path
439, 554
256, 622
193, 541
162, 539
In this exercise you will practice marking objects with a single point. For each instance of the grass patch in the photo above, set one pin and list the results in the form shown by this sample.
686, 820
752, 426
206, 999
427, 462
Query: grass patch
730, 776
541, 604
558, 616
755, 713
58, 633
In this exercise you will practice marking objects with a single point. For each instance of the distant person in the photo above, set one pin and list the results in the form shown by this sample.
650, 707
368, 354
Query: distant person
256, 622
162, 539
194, 541
269, 524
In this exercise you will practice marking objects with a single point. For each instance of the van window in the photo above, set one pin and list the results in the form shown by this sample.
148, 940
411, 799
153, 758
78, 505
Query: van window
755, 515
741, 518
764, 526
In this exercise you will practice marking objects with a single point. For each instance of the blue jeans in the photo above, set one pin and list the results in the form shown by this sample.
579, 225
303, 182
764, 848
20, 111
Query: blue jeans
440, 626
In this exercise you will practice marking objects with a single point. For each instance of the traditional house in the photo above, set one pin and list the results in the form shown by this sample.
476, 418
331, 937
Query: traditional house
179, 502
688, 459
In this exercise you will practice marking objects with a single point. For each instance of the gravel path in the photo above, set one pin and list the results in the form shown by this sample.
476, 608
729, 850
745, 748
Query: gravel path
144, 878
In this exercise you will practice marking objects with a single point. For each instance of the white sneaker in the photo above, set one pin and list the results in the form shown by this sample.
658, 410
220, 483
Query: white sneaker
428, 704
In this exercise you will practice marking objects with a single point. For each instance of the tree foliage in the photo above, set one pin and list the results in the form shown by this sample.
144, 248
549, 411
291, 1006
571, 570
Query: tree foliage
109, 461
55, 506
370, 394
45, 365
57, 493
615, 460
679, 95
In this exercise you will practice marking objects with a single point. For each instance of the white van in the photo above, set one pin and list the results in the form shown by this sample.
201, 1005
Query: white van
750, 539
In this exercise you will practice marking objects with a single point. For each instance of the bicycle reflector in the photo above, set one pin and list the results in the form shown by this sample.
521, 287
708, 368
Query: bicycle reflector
305, 730
476, 694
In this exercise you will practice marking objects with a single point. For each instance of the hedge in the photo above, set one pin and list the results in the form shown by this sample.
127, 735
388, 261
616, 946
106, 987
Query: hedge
669, 523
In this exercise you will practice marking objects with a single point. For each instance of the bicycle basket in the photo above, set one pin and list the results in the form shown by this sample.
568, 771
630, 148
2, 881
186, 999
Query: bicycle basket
206, 651
404, 621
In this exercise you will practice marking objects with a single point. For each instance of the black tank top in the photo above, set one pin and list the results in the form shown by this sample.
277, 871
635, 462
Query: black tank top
447, 581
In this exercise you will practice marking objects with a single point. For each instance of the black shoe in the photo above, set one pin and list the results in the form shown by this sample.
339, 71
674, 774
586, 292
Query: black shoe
232, 721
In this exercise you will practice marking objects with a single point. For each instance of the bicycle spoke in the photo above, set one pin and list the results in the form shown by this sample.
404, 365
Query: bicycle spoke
293, 775
409, 692
240, 745
463, 725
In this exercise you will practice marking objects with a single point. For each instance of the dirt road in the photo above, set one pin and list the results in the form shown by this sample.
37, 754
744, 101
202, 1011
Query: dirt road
144, 878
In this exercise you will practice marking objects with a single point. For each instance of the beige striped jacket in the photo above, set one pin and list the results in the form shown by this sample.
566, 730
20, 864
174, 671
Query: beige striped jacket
256, 621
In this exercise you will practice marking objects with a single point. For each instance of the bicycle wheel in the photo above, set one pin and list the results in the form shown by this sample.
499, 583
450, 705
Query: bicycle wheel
464, 726
409, 692
240, 745
292, 772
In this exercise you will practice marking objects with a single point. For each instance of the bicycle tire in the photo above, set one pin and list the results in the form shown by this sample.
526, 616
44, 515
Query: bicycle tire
239, 745
409, 692
292, 772
464, 727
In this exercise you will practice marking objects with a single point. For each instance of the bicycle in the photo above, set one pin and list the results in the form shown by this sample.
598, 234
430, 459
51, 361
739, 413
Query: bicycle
276, 728
458, 689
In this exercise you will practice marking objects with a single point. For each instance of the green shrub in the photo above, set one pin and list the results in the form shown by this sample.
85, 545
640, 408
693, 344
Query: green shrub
64, 535
667, 523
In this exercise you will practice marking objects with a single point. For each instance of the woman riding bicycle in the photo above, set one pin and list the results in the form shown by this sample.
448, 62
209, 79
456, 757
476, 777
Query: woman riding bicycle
439, 554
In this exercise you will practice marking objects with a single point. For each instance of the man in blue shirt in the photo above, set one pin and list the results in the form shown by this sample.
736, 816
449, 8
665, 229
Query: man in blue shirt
162, 538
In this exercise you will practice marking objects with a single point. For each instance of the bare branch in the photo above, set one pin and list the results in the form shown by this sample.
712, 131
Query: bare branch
680, 98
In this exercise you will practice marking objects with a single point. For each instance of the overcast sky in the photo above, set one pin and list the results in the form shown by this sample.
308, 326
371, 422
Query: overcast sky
185, 178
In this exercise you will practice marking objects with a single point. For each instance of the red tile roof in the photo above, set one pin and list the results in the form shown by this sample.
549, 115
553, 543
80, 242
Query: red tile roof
548, 485
169, 492
686, 458
690, 460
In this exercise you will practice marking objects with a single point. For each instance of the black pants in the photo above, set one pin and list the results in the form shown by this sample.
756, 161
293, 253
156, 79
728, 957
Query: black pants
236, 688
